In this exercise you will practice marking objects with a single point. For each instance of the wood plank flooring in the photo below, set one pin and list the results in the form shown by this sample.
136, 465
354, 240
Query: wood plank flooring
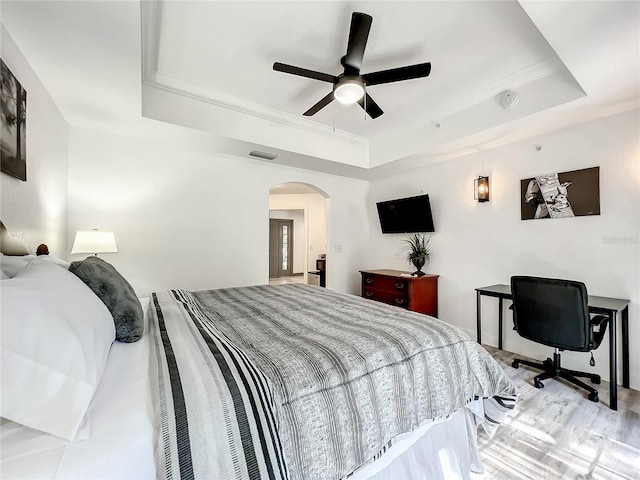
281, 280
557, 433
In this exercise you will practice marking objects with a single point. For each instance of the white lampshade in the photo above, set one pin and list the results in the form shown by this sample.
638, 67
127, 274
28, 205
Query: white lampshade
94, 241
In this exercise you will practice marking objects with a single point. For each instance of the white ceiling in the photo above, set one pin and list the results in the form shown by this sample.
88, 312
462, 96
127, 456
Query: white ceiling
570, 62
475, 48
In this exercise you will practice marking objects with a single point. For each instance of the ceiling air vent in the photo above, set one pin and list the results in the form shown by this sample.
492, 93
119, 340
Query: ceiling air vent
264, 155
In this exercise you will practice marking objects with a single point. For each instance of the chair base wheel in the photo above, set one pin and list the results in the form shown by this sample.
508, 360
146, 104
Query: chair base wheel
548, 362
515, 364
593, 396
595, 379
538, 384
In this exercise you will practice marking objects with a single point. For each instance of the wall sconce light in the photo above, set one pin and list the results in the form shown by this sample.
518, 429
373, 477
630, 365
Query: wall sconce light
94, 241
481, 189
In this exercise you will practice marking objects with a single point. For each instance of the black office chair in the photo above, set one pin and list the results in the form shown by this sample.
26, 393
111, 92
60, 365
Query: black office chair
555, 312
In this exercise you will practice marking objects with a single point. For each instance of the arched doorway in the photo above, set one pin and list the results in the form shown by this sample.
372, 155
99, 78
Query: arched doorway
298, 233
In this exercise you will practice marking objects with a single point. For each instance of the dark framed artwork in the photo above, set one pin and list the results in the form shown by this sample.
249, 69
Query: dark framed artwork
13, 122
560, 195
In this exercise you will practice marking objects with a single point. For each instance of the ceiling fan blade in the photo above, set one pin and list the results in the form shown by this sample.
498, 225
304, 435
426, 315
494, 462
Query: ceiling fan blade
371, 107
320, 105
358, 36
303, 72
398, 74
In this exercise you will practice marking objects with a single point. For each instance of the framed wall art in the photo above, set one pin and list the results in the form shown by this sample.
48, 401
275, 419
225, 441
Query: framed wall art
13, 122
561, 195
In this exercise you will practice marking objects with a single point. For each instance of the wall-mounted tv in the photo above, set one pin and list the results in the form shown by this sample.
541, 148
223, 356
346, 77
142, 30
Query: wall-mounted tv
406, 215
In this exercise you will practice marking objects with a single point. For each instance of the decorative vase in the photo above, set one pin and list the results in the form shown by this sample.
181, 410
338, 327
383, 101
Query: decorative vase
418, 252
418, 263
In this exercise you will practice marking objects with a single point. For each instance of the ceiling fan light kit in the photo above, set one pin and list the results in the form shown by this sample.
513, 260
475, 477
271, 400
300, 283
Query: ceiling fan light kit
349, 90
351, 86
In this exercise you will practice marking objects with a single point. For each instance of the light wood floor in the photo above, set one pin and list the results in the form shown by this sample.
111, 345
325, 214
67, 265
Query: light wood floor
281, 280
557, 433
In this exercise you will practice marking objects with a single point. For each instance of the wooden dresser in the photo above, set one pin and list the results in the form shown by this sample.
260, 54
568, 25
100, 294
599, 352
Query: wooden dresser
419, 294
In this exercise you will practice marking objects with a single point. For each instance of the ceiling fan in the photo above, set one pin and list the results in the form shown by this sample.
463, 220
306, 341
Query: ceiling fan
350, 87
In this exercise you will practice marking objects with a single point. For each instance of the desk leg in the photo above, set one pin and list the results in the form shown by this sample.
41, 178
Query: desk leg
625, 347
478, 318
500, 323
613, 363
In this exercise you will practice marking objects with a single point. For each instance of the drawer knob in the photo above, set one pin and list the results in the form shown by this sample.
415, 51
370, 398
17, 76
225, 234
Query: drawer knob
369, 280
399, 301
369, 294
399, 286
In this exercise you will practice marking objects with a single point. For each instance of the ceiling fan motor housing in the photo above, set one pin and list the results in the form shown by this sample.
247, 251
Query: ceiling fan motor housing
348, 69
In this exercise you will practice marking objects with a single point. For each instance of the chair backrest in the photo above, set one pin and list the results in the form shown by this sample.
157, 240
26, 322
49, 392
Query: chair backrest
553, 312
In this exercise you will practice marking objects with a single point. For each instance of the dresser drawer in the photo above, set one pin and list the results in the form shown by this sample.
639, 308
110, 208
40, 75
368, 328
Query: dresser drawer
399, 299
385, 283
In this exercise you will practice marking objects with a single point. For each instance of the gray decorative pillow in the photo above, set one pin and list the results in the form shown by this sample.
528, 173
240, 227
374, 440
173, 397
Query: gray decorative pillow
116, 293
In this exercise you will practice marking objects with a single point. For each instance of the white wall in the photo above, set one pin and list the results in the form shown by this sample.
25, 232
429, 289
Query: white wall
298, 235
36, 209
185, 218
483, 244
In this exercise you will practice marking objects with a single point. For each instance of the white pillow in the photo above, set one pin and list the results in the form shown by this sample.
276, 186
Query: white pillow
51, 259
12, 265
56, 335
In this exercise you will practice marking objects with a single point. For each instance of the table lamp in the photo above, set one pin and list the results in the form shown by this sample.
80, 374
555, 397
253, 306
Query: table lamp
94, 241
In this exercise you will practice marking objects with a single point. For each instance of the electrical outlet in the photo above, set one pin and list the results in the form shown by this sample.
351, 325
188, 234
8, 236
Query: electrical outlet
337, 248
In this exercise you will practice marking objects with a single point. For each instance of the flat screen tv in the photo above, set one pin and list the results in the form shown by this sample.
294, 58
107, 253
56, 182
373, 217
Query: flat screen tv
406, 215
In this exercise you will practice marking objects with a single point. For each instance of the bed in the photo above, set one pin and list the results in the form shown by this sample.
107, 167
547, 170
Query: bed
287, 381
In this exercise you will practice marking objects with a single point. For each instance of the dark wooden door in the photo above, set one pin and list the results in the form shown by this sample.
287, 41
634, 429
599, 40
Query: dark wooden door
280, 248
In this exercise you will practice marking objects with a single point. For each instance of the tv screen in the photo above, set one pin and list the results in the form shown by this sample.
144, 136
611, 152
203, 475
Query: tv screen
406, 215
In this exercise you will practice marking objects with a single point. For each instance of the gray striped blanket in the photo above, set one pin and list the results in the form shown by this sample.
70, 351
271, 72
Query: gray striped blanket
300, 382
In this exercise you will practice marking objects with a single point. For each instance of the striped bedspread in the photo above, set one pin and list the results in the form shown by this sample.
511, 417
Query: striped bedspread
297, 381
